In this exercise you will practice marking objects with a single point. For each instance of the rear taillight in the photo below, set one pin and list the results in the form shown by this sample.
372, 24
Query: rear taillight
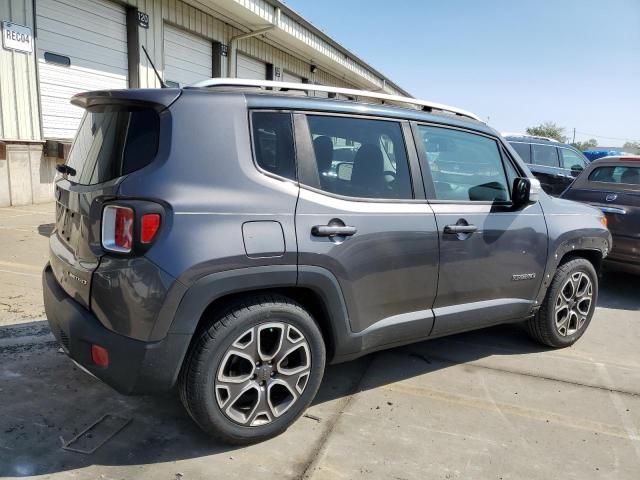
117, 228
149, 226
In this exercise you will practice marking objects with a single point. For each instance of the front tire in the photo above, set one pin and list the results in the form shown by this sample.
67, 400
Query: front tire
254, 370
568, 306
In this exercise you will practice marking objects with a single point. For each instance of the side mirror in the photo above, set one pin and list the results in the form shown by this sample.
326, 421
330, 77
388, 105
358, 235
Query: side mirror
525, 191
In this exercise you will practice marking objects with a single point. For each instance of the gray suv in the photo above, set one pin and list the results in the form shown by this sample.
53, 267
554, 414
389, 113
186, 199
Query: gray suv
218, 239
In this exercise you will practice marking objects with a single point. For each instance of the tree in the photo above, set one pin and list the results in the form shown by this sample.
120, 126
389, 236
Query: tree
635, 145
592, 142
548, 129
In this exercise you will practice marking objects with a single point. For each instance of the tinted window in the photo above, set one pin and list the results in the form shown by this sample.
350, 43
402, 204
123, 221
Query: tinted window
360, 157
621, 174
273, 143
523, 149
464, 166
571, 160
113, 141
546, 155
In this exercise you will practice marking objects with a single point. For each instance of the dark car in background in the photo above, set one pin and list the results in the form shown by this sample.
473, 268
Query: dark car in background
555, 164
613, 185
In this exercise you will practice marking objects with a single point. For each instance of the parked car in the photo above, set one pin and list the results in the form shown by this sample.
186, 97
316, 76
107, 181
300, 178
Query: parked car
613, 185
199, 245
555, 164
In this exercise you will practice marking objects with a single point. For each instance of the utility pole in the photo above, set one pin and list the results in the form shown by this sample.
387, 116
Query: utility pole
574, 135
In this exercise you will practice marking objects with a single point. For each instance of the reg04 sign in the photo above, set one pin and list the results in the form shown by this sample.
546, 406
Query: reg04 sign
17, 37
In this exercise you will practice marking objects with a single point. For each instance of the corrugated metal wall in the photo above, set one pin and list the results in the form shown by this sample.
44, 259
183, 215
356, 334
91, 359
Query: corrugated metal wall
19, 113
183, 15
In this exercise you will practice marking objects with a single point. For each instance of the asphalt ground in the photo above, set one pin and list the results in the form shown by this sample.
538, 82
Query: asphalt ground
485, 404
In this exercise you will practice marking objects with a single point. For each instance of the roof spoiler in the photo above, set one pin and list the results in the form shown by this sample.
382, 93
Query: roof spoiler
159, 99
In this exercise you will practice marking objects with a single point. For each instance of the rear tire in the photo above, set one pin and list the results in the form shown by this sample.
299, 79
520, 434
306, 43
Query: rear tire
568, 306
254, 370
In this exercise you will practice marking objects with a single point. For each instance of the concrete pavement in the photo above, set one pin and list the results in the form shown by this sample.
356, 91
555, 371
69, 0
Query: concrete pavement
486, 404
23, 254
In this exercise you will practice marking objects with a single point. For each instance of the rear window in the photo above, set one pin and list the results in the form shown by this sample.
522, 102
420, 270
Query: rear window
621, 174
545, 155
113, 141
523, 149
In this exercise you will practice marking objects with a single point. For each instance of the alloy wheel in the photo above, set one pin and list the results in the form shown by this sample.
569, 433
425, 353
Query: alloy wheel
263, 373
573, 303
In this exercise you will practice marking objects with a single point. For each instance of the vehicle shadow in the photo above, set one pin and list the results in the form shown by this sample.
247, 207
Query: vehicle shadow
44, 397
619, 290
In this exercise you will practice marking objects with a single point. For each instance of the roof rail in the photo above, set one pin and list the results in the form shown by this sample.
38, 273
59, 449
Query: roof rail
240, 82
539, 137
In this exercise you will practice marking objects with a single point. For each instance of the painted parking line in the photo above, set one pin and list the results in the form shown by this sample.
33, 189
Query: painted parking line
35, 275
25, 266
21, 228
25, 212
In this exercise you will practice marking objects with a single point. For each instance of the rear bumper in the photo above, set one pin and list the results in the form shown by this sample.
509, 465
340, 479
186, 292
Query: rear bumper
622, 265
135, 367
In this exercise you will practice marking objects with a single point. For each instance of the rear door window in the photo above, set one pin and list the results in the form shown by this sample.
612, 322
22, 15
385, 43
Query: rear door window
113, 141
358, 157
545, 155
622, 174
523, 149
464, 166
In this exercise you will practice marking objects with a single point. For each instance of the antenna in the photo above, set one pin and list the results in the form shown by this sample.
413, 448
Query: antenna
162, 84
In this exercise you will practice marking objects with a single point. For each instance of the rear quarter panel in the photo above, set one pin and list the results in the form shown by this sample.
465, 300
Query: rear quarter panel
211, 188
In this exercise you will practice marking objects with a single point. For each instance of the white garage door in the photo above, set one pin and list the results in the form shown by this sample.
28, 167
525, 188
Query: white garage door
289, 77
82, 45
187, 58
247, 67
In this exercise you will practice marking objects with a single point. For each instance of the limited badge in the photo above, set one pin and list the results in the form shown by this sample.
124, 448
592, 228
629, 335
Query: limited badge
523, 276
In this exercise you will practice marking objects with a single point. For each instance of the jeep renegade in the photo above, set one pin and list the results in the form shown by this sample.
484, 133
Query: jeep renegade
232, 239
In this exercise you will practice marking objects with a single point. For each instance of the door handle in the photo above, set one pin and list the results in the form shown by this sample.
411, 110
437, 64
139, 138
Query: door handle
333, 230
455, 229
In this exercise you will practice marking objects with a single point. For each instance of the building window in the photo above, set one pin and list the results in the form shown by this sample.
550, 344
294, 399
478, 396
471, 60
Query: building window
57, 59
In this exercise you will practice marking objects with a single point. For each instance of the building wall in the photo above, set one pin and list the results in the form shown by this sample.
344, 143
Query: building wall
26, 173
19, 111
202, 21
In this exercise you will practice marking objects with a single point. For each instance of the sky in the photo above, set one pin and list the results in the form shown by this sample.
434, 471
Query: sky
516, 63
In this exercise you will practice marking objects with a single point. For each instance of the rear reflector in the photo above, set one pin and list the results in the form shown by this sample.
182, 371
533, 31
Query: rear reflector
117, 228
150, 225
636, 159
99, 355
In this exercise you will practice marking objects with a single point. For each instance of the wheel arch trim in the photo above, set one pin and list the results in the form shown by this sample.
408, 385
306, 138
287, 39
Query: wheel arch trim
575, 246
